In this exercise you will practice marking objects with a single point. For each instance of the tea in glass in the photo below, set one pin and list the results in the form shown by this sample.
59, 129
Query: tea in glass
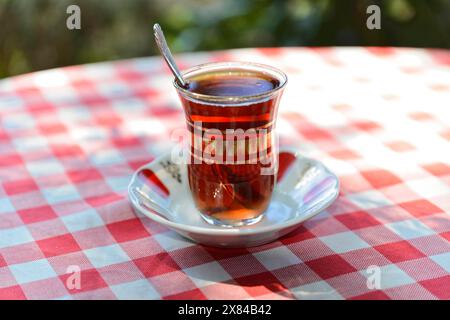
230, 111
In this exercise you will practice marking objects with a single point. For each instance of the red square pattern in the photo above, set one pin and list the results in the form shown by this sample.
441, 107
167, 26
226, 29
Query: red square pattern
314, 133
12, 293
37, 214
40, 107
438, 169
366, 125
421, 116
446, 135
10, 160
3, 135
260, 284
399, 251
400, 146
380, 178
420, 208
156, 265
439, 287
344, 154
58, 245
108, 120
2, 262
19, 186
66, 150
127, 230
219, 253
374, 295
124, 142
195, 294
298, 235
330, 266
84, 175
446, 235
52, 128
357, 220
89, 280
104, 199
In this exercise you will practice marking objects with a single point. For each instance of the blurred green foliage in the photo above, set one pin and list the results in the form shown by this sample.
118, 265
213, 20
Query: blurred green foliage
34, 36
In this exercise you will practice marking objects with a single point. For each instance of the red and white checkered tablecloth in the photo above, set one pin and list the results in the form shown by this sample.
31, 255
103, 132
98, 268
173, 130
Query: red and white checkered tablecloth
379, 118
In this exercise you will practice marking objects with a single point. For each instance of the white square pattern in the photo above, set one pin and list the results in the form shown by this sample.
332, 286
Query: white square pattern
277, 258
171, 240
107, 255
319, 290
206, 274
344, 242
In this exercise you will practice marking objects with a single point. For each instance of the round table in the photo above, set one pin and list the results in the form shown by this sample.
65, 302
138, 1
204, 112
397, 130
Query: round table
70, 139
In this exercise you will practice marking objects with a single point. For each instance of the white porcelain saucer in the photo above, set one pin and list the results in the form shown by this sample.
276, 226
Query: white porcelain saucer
305, 187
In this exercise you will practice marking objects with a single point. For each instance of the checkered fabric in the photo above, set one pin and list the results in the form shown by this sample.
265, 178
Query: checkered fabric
379, 118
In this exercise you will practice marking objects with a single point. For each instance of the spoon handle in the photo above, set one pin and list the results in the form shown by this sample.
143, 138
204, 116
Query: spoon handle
145, 201
165, 51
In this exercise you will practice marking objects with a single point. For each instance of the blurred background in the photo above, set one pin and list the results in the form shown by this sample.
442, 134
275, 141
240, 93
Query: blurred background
34, 36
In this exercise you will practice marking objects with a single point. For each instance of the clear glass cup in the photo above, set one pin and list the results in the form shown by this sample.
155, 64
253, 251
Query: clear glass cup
233, 159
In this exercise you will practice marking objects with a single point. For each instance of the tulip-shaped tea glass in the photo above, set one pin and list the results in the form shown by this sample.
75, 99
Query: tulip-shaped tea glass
231, 110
